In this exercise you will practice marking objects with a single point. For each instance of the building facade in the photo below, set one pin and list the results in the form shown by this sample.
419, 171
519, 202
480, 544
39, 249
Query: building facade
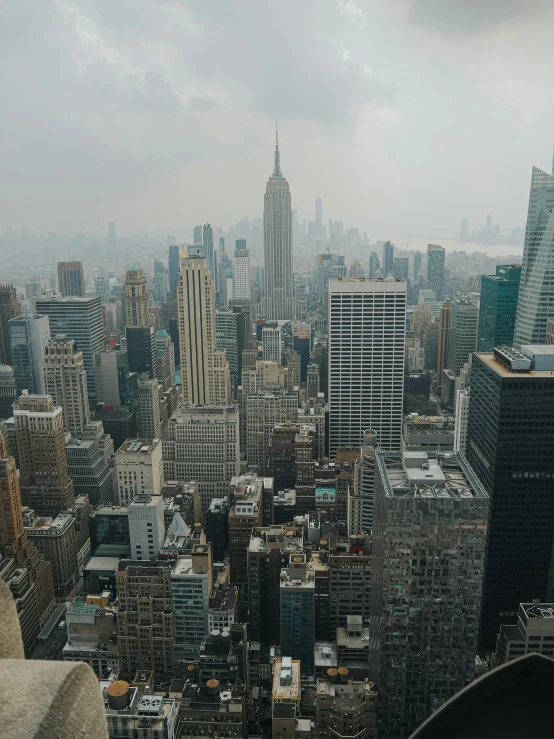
435, 270
29, 336
71, 280
497, 307
65, 379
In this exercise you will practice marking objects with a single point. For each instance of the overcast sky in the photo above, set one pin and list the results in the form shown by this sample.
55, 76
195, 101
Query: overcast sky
404, 115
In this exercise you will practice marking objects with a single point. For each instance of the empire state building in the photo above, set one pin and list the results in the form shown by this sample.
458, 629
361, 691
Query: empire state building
278, 300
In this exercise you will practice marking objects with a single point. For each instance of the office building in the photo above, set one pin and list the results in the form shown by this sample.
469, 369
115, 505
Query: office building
225, 277
429, 433
402, 268
102, 289
388, 259
115, 385
462, 417
462, 335
136, 298
8, 394
149, 420
207, 250
329, 267
514, 459
91, 635
246, 514
435, 270
497, 307
64, 378
173, 267
217, 527
139, 710
89, 464
427, 577
536, 289
145, 644
534, 632
205, 377
344, 706
272, 343
71, 281
242, 283
202, 444
269, 551
227, 326
165, 349
28, 338
191, 585
9, 308
263, 410
55, 539
40, 435
417, 266
119, 423
109, 532
141, 350
367, 326
139, 469
443, 339
278, 298
81, 320
374, 265
298, 612
146, 525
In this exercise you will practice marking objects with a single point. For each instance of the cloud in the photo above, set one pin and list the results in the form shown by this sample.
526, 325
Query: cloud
459, 17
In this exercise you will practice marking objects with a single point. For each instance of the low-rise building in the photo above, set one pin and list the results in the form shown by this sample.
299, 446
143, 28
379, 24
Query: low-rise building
132, 711
534, 632
91, 636
55, 539
286, 682
428, 432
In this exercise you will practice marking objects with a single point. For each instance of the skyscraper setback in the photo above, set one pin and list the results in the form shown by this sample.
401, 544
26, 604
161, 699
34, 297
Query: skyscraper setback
536, 289
278, 300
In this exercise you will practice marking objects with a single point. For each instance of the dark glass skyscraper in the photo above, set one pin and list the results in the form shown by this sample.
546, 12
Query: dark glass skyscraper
497, 308
388, 259
510, 445
435, 270
536, 290
141, 349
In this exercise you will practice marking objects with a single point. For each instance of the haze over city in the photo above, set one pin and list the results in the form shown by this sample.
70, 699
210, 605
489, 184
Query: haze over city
404, 116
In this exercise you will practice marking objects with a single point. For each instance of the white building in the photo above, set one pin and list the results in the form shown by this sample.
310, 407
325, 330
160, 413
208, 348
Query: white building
205, 376
65, 379
146, 525
242, 284
461, 418
202, 444
367, 327
272, 343
139, 469
191, 584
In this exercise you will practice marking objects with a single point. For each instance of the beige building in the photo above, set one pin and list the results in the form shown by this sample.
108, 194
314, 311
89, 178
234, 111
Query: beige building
149, 419
55, 539
136, 298
202, 444
40, 436
205, 373
263, 411
139, 469
145, 618
65, 379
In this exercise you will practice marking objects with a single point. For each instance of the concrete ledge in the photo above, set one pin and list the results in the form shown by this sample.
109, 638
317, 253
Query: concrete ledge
51, 700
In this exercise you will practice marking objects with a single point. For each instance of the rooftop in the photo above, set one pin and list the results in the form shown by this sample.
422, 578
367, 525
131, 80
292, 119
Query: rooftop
286, 679
183, 565
109, 564
509, 363
418, 475
137, 446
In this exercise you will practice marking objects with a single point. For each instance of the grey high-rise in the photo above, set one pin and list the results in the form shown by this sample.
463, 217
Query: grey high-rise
435, 270
29, 336
278, 300
81, 319
536, 288
462, 338
388, 259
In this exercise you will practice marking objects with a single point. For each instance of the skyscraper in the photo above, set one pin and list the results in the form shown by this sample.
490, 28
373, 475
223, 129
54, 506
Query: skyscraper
462, 339
417, 265
81, 319
510, 445
71, 280
536, 289
367, 326
149, 421
28, 338
207, 249
319, 213
9, 308
242, 284
40, 436
297, 590
373, 264
64, 378
173, 265
388, 259
136, 298
428, 560
141, 349
205, 374
443, 336
278, 299
497, 307
435, 270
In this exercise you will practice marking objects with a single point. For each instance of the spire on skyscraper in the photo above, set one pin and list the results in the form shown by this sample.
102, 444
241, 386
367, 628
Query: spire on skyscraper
277, 169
